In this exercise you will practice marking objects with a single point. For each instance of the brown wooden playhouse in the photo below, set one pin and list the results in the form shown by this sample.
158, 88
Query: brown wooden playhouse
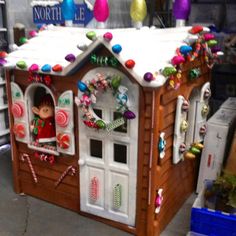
121, 153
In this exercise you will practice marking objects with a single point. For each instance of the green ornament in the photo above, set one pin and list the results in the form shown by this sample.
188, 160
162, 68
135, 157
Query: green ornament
115, 82
169, 71
21, 64
17, 94
194, 73
101, 124
195, 150
91, 35
113, 61
23, 40
212, 43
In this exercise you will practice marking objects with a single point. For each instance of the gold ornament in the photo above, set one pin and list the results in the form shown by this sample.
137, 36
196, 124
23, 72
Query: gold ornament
138, 10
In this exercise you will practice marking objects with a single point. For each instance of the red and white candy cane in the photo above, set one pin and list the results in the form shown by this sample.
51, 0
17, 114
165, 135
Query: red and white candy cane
26, 156
94, 189
69, 170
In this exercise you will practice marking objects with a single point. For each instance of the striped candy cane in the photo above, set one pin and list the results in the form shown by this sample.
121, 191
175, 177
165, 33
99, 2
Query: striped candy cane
117, 196
26, 156
94, 189
69, 170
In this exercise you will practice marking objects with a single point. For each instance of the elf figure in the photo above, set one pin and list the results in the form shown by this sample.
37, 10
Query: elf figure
43, 125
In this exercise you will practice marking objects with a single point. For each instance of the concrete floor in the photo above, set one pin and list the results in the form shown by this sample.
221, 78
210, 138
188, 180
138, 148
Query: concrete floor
27, 216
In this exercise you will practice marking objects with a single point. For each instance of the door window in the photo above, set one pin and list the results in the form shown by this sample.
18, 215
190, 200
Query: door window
120, 153
96, 148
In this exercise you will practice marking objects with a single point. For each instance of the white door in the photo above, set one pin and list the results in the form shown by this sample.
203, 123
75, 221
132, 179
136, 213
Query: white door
108, 159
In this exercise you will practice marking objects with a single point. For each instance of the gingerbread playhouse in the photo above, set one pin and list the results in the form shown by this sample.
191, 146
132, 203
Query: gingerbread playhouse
110, 123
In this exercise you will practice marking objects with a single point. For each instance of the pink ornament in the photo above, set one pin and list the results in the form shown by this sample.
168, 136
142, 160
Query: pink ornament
208, 37
33, 33
177, 60
108, 36
101, 10
85, 100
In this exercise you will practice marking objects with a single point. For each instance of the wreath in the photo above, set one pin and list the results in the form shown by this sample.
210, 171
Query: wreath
102, 83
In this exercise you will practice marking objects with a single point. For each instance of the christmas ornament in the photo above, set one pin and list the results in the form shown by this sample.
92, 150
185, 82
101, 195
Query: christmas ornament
70, 57
101, 12
130, 64
46, 68
57, 68
181, 11
117, 48
108, 36
68, 11
21, 64
138, 12
148, 76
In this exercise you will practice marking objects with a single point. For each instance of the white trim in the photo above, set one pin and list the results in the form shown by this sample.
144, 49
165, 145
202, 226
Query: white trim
47, 140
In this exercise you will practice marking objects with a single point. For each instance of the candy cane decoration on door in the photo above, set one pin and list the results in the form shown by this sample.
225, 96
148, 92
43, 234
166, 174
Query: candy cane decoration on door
26, 156
94, 189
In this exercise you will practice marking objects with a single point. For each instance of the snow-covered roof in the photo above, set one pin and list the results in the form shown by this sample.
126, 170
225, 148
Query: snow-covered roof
150, 49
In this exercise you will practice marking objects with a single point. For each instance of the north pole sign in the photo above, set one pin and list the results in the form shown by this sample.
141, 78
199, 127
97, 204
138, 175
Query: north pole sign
54, 14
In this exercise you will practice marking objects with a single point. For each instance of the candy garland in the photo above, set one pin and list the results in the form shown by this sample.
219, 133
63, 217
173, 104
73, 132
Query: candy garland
26, 156
36, 78
89, 91
45, 157
70, 170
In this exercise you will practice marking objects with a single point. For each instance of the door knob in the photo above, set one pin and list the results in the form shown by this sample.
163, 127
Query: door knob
81, 162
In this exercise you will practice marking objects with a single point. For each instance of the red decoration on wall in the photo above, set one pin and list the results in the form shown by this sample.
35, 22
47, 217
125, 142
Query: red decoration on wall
63, 140
61, 118
17, 110
19, 130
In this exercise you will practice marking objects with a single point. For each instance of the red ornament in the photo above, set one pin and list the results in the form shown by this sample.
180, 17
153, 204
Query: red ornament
17, 110
19, 130
3, 54
61, 118
196, 29
91, 124
47, 80
63, 140
57, 68
130, 63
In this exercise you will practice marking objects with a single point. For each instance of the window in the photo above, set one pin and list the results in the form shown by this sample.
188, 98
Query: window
120, 153
122, 128
98, 112
96, 148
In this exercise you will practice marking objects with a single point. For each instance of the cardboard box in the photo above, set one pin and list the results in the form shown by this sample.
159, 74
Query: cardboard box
231, 161
220, 129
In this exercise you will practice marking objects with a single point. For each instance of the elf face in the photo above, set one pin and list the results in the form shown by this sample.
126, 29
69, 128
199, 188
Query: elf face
44, 111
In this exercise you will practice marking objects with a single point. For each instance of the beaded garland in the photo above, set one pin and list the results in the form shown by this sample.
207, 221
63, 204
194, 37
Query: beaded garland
89, 91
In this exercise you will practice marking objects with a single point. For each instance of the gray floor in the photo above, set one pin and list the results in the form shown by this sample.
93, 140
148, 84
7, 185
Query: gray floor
27, 216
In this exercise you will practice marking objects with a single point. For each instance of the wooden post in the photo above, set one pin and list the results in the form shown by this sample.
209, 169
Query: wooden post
19, 32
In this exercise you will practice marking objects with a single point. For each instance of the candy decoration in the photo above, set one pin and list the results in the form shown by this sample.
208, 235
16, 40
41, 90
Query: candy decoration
17, 110
34, 68
82, 47
208, 36
21, 64
19, 131
182, 148
207, 93
185, 49
185, 106
203, 130
45, 157
212, 43
196, 29
177, 60
130, 64
184, 126
158, 200
194, 73
91, 35
148, 77
101, 10
94, 189
138, 11
2, 62
101, 124
205, 110
90, 124
33, 33
162, 145
195, 150
46, 68
26, 156
129, 115
82, 86
189, 156
63, 140
69, 170
3, 54
198, 145
103, 60
169, 71
117, 193
215, 49
70, 57
117, 48
23, 40
57, 68
115, 82
108, 36
61, 118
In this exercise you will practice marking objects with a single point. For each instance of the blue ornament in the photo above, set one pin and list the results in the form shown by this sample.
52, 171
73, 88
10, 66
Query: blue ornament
117, 48
82, 86
122, 98
46, 68
68, 9
185, 49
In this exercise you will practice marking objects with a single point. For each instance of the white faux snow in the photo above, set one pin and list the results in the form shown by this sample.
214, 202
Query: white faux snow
151, 49
45, 3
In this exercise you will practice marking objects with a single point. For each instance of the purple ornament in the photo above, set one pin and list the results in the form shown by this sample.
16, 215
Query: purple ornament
2, 62
70, 57
181, 9
129, 115
215, 49
148, 76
